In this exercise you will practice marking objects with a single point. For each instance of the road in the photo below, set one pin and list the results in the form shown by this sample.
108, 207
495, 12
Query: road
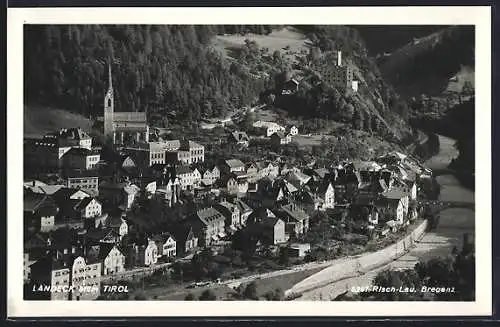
454, 221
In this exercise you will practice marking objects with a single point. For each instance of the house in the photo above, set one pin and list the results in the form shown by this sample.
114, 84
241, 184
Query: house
232, 166
253, 171
296, 219
36, 186
68, 194
297, 178
230, 184
88, 207
39, 212
244, 209
231, 213
184, 152
87, 181
395, 204
167, 246
110, 256
270, 170
102, 235
189, 179
74, 137
117, 224
268, 128
326, 193
85, 273
186, 240
365, 208
81, 158
143, 254
210, 176
51, 271
268, 228
280, 138
76, 277
293, 130
120, 195
240, 138
209, 225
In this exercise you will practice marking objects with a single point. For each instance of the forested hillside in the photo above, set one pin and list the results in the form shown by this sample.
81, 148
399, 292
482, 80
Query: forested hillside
425, 65
174, 69
375, 107
155, 69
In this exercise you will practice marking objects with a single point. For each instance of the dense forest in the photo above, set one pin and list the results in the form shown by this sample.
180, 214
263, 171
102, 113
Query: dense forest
426, 66
380, 39
155, 69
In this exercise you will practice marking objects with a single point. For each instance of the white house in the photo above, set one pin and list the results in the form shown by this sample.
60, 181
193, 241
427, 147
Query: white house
166, 245
89, 207
269, 128
210, 176
327, 194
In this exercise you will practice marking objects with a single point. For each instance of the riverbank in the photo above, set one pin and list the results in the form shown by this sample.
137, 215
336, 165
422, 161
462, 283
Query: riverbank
453, 223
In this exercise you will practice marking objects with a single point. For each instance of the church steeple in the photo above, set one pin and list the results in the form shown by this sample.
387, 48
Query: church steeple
109, 106
110, 77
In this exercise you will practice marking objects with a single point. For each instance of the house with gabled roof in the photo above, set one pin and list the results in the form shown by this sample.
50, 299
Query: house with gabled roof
39, 211
118, 224
210, 176
280, 138
231, 213
209, 225
326, 192
245, 211
232, 166
110, 256
296, 219
186, 239
166, 244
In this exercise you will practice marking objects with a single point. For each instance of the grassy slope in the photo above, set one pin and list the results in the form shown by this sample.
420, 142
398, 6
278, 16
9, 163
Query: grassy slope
277, 40
39, 120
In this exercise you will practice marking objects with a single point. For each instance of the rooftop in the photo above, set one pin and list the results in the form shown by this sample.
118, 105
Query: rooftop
234, 163
209, 215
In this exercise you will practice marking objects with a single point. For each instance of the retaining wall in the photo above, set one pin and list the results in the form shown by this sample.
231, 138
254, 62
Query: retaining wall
352, 267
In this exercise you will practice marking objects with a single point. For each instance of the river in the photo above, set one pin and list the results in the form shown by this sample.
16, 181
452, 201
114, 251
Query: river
453, 223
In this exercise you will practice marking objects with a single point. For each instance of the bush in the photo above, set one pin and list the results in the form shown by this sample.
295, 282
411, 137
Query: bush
208, 295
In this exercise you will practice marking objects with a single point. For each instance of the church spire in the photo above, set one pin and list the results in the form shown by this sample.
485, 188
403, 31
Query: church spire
110, 77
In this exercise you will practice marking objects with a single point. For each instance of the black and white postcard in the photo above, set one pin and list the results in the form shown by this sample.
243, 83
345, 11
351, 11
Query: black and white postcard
320, 156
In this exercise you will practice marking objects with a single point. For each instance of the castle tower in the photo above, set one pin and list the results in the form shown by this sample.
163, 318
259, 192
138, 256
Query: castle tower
109, 105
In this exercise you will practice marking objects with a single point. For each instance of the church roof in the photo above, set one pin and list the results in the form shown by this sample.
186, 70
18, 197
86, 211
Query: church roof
132, 117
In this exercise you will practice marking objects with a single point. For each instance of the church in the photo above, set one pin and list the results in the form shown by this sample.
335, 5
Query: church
121, 126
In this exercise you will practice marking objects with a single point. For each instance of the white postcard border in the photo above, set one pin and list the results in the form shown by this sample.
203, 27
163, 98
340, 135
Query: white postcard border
478, 16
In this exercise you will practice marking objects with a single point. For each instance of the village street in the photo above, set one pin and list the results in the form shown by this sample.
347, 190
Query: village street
454, 221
